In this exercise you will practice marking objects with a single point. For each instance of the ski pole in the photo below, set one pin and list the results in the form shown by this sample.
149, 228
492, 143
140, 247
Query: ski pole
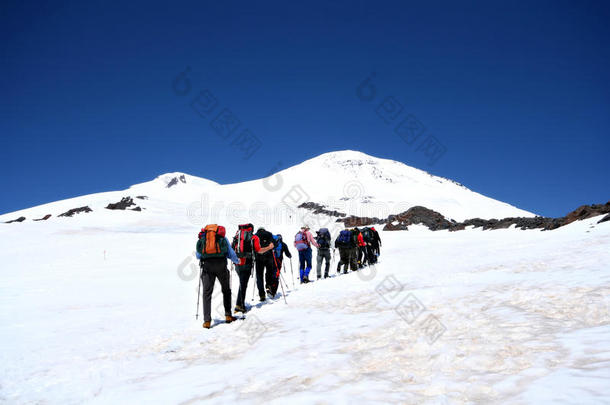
292, 273
199, 290
283, 292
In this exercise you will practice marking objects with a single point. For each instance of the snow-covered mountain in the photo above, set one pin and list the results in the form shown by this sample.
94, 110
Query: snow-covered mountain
350, 182
99, 307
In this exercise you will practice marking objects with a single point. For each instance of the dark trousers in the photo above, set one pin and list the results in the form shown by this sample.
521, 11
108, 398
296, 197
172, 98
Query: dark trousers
362, 255
273, 282
323, 254
353, 258
243, 272
347, 257
264, 270
212, 269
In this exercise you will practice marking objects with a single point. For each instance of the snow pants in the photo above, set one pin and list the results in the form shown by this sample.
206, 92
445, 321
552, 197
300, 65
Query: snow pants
347, 258
264, 273
215, 268
305, 263
323, 254
243, 272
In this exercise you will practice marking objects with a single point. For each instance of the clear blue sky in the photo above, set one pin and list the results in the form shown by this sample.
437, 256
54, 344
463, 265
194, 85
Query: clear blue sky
517, 92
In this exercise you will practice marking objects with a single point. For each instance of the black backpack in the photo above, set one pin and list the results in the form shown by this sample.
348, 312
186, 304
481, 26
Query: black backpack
265, 238
367, 235
355, 233
323, 238
242, 241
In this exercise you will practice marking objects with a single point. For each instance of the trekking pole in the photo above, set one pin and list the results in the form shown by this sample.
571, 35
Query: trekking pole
198, 291
291, 272
282, 285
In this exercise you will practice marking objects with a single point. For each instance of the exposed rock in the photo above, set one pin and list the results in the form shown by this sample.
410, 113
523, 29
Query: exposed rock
319, 209
175, 181
604, 219
142, 197
20, 219
121, 205
44, 218
587, 211
353, 221
136, 209
73, 211
436, 221
419, 215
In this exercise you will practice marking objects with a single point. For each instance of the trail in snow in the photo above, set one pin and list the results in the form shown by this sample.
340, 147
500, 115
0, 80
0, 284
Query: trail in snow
526, 316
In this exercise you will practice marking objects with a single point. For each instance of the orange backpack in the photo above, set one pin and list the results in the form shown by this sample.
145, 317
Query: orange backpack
214, 237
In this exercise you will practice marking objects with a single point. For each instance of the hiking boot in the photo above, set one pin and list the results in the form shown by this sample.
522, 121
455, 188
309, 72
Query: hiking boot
239, 308
230, 318
207, 324
325, 275
262, 299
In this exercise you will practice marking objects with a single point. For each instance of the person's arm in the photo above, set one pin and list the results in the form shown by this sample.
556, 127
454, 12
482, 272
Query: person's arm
256, 243
312, 240
257, 246
286, 251
198, 249
231, 252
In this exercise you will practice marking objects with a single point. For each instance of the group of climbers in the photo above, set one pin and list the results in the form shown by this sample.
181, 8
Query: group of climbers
264, 252
357, 248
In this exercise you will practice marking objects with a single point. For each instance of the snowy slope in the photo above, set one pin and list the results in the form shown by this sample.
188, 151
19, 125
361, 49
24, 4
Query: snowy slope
348, 181
103, 313
99, 308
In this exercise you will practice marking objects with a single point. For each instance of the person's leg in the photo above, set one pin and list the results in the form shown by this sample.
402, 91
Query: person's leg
344, 260
244, 273
269, 274
301, 264
223, 277
209, 278
308, 254
319, 259
277, 268
326, 256
260, 274
353, 259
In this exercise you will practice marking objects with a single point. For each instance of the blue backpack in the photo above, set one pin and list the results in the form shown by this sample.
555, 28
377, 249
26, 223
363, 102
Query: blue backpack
301, 241
344, 239
277, 250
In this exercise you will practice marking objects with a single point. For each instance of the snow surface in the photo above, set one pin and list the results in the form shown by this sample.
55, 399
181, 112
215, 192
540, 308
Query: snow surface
99, 308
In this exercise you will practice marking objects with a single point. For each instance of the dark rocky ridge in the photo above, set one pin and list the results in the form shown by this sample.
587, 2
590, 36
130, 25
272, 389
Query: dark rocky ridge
73, 211
175, 181
436, 221
121, 205
20, 219
44, 218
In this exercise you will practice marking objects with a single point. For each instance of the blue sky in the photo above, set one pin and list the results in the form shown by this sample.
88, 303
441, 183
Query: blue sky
517, 94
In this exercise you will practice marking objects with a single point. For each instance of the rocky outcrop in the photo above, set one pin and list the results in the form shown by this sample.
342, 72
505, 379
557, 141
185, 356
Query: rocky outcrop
175, 181
44, 218
418, 215
73, 211
20, 219
319, 209
435, 221
125, 203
